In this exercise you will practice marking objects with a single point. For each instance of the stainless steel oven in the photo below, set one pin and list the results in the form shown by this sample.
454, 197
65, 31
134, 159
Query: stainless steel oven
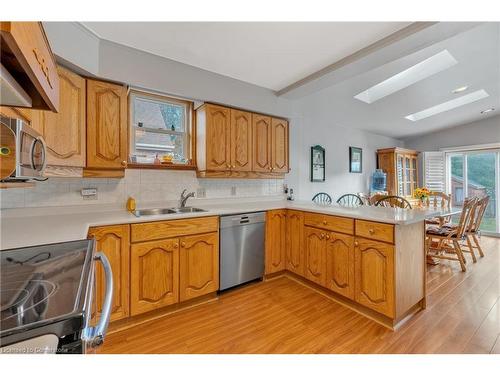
19, 139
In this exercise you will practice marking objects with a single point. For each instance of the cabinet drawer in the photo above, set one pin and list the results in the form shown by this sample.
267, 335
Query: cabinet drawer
333, 223
173, 228
375, 231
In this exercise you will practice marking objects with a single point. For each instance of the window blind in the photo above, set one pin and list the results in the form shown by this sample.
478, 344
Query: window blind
434, 170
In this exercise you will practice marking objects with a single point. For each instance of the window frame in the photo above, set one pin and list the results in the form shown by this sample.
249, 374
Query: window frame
189, 134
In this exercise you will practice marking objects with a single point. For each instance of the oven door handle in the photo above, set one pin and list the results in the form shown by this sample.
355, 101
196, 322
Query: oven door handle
97, 333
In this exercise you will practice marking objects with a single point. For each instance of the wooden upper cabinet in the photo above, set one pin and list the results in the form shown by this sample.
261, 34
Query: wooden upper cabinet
262, 134
199, 265
26, 54
295, 242
275, 241
374, 274
64, 132
279, 146
218, 137
241, 141
154, 279
114, 242
107, 126
315, 255
340, 264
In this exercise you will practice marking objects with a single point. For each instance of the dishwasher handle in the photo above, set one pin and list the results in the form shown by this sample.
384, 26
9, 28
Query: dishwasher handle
242, 219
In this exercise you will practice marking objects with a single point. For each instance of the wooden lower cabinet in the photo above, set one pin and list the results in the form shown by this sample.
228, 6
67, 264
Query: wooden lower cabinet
295, 242
199, 265
275, 241
315, 255
114, 242
340, 264
374, 274
154, 276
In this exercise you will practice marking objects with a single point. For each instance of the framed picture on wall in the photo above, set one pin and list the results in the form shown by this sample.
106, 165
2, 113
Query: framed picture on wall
317, 164
355, 160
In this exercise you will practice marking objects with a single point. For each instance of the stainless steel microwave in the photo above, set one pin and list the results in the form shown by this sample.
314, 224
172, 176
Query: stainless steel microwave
23, 150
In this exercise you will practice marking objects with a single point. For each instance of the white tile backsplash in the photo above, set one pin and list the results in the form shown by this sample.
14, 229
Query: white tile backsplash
144, 185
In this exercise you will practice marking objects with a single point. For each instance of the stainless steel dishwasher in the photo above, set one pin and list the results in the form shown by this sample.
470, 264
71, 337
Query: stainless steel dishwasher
241, 248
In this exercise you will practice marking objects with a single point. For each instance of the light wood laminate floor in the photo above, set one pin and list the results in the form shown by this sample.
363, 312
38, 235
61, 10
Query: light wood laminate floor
284, 316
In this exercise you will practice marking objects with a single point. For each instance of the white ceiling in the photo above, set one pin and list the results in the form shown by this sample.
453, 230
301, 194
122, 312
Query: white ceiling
268, 54
477, 51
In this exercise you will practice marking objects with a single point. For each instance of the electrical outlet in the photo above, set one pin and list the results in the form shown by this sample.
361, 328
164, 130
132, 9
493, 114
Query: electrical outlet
89, 193
233, 190
201, 192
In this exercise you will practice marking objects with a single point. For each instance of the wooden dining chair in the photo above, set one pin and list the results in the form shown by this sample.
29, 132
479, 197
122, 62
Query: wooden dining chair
365, 198
472, 231
443, 242
437, 200
376, 197
322, 198
350, 200
393, 201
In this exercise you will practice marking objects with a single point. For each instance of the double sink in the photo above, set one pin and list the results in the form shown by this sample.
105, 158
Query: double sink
166, 211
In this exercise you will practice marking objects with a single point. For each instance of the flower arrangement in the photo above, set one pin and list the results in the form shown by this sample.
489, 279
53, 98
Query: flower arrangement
421, 193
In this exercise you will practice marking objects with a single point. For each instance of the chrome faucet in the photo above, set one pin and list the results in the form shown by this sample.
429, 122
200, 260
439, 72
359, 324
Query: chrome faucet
184, 198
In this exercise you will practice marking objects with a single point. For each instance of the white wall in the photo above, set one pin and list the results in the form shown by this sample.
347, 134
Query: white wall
316, 128
475, 133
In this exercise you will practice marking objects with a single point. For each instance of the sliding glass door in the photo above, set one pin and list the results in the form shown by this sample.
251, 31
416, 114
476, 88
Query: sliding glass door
476, 174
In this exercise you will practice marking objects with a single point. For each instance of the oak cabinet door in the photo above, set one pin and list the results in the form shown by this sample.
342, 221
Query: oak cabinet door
241, 141
218, 138
279, 147
114, 242
64, 132
261, 143
315, 255
199, 265
340, 264
275, 241
154, 277
107, 125
374, 274
294, 239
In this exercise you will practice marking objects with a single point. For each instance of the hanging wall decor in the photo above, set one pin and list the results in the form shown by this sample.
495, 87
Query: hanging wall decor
317, 164
355, 160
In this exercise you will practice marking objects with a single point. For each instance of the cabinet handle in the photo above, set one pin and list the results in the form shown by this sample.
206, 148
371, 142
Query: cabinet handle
356, 243
124, 163
183, 244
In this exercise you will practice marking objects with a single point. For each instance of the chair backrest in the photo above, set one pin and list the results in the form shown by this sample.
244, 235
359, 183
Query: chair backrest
478, 213
365, 198
393, 201
438, 199
322, 198
376, 197
350, 200
465, 216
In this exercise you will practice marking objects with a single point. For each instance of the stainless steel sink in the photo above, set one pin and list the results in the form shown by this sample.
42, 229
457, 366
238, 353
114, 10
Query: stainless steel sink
185, 210
166, 211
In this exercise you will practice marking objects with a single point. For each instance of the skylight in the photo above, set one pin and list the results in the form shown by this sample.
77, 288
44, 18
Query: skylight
450, 104
434, 64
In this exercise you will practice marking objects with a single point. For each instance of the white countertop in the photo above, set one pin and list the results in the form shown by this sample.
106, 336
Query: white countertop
37, 226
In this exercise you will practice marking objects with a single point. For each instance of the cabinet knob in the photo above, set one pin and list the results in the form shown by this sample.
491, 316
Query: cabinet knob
234, 166
322, 235
124, 163
356, 243
371, 230
327, 236
325, 222
228, 166
176, 245
270, 169
183, 244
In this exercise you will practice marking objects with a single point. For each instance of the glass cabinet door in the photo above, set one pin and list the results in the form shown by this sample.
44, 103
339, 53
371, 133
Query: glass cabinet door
400, 177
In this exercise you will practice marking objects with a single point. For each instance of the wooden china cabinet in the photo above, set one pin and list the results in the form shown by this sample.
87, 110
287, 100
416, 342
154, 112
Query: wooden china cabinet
401, 166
